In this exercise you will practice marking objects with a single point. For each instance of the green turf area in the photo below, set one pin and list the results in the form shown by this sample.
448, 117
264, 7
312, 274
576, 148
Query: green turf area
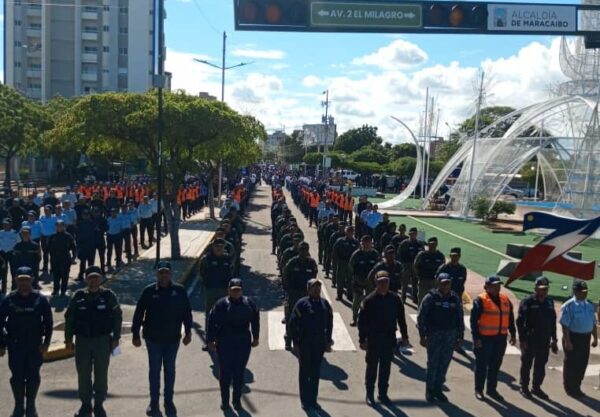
485, 262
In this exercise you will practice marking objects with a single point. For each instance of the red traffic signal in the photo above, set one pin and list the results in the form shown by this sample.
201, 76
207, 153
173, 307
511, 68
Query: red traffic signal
271, 13
455, 15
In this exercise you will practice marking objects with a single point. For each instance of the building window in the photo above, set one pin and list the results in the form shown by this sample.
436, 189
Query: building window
123, 10
106, 8
35, 26
34, 85
88, 90
90, 49
123, 30
106, 28
17, 22
105, 49
35, 6
105, 71
90, 9
17, 64
90, 29
122, 51
35, 66
18, 44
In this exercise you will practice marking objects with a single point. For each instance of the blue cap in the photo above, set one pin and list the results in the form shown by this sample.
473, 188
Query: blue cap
163, 265
235, 283
24, 271
25, 229
493, 280
93, 270
443, 277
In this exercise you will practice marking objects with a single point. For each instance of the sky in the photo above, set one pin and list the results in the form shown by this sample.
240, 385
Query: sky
370, 77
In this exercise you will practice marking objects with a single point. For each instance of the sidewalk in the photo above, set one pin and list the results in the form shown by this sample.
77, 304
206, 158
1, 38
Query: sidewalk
195, 234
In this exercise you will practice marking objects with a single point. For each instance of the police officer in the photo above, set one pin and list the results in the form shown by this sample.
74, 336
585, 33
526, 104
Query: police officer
342, 251
62, 253
579, 325
27, 253
407, 252
290, 252
457, 272
361, 263
427, 263
100, 236
233, 329
536, 325
380, 313
215, 271
323, 223
8, 239
48, 224
162, 309
94, 317
391, 266
85, 242
298, 271
311, 327
27, 318
441, 329
331, 228
114, 238
492, 319
331, 265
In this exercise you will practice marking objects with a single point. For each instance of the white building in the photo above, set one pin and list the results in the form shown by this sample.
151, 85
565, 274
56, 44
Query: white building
273, 142
319, 134
75, 47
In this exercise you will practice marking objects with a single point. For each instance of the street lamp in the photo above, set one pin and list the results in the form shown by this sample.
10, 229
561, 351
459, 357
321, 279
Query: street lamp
223, 68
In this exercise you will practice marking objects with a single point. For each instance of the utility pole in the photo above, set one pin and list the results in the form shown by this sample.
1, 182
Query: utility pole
425, 126
467, 204
326, 120
159, 81
223, 68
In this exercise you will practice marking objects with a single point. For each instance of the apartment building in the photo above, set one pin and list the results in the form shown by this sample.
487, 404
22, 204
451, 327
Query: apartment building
77, 47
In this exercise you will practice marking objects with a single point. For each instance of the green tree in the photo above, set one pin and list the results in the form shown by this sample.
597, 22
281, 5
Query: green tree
403, 167
292, 149
448, 149
487, 116
371, 153
21, 123
402, 150
355, 139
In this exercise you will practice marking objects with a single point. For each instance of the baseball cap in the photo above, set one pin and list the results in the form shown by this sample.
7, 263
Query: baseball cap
24, 271
432, 240
542, 282
455, 251
297, 236
93, 270
412, 230
163, 265
493, 280
304, 245
25, 229
312, 282
382, 275
390, 248
235, 283
366, 238
443, 277
580, 285
31, 213
219, 241
6, 221
60, 221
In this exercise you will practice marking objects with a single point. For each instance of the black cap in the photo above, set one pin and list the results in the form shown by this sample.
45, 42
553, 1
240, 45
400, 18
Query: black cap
382, 275
389, 248
163, 265
493, 280
235, 283
297, 236
304, 245
542, 282
455, 251
580, 285
366, 238
219, 229
24, 271
443, 277
7, 220
48, 207
219, 242
432, 240
312, 282
31, 213
93, 270
412, 229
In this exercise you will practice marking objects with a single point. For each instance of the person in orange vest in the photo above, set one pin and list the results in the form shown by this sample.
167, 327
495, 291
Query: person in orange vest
314, 200
180, 199
492, 319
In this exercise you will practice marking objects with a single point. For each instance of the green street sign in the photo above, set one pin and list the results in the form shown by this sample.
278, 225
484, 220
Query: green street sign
366, 15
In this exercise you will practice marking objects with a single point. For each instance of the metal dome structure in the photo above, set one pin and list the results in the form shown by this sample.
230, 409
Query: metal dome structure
563, 132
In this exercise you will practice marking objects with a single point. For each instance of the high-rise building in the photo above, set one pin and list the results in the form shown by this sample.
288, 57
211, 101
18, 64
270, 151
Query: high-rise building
76, 47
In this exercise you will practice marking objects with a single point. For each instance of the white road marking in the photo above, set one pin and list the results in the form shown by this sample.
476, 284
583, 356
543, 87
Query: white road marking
342, 342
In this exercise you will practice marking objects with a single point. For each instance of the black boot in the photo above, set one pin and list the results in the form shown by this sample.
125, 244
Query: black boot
32, 390
99, 410
237, 399
85, 410
18, 390
370, 399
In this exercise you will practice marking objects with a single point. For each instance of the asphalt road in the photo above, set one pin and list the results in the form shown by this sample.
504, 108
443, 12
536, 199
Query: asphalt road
271, 378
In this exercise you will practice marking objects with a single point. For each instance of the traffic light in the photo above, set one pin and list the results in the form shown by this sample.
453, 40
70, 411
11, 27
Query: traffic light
455, 16
271, 14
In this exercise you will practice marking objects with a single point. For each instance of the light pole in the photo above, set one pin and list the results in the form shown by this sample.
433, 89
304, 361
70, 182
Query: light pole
159, 82
223, 68
326, 120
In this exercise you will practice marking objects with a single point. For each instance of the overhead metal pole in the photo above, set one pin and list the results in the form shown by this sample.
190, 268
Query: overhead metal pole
424, 138
160, 83
467, 204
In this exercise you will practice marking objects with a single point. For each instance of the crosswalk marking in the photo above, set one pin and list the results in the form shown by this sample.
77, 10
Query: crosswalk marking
341, 337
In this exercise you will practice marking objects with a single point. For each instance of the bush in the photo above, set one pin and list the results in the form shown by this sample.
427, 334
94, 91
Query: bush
483, 209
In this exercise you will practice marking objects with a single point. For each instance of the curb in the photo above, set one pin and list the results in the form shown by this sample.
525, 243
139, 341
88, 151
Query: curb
187, 272
58, 353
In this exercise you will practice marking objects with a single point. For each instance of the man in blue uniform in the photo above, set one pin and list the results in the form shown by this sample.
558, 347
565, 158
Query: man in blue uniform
441, 328
233, 329
311, 327
162, 309
536, 325
27, 318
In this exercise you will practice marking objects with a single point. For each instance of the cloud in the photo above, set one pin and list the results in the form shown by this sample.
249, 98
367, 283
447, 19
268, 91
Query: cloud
259, 53
311, 81
1, 18
398, 54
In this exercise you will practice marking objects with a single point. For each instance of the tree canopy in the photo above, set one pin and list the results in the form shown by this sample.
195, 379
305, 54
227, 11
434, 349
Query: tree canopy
355, 139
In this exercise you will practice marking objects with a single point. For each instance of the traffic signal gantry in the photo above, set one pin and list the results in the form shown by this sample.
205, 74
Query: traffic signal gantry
392, 16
